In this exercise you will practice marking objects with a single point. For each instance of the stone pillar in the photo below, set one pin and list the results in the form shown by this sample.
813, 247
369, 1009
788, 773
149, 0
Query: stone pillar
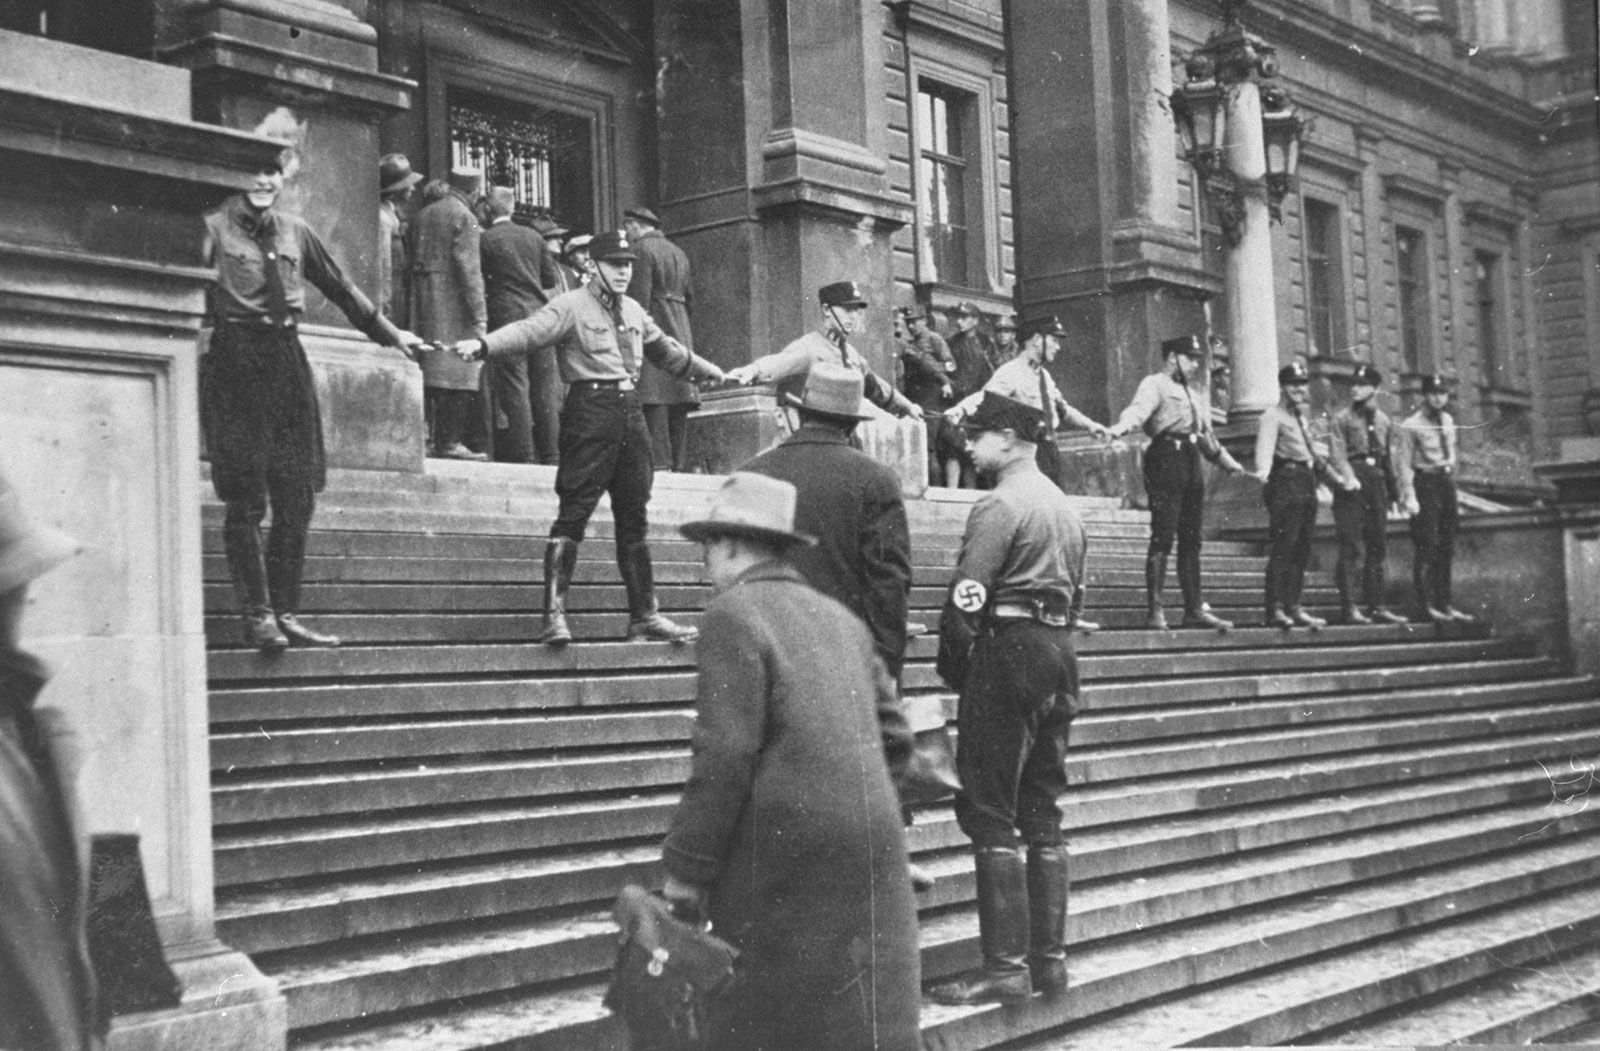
101, 294
1252, 303
306, 72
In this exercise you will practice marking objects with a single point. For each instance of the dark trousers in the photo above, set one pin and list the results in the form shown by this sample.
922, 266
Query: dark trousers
452, 412
546, 393
1021, 692
1291, 498
669, 428
258, 406
1433, 535
605, 448
1175, 481
513, 413
1048, 457
1361, 520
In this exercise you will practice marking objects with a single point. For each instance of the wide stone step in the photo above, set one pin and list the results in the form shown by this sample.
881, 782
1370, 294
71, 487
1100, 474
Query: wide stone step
1529, 1004
1143, 653
250, 796
1113, 976
272, 918
1288, 1003
399, 741
325, 847
1113, 973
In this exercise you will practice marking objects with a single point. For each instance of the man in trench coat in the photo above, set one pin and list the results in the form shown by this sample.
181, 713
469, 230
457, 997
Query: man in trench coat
447, 304
661, 285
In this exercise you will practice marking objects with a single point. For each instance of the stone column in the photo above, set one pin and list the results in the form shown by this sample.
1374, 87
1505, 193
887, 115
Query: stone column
306, 72
1252, 302
1094, 163
101, 293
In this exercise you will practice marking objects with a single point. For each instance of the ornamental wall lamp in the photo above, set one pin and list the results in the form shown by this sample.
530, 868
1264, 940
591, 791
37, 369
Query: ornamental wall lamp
1233, 59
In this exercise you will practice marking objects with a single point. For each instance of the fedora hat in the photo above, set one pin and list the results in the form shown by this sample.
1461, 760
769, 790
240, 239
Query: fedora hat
27, 550
750, 505
643, 214
394, 173
832, 390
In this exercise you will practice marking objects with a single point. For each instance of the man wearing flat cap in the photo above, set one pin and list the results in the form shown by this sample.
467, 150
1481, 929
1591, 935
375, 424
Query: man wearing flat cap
448, 304
47, 986
1005, 642
1177, 419
787, 836
661, 285
1425, 462
844, 307
1026, 378
1358, 453
599, 337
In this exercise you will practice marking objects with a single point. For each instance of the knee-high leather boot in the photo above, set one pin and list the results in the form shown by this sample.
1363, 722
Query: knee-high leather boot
1155, 579
1003, 931
560, 560
645, 622
1047, 916
247, 567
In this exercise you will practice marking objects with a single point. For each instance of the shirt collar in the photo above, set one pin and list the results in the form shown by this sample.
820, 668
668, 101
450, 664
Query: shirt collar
251, 221
497, 220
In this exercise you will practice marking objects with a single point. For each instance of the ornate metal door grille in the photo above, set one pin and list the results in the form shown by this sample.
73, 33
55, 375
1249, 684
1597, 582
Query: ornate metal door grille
511, 151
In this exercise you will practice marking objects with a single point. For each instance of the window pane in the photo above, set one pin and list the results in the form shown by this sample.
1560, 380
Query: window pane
1324, 279
1410, 259
1488, 279
942, 182
543, 155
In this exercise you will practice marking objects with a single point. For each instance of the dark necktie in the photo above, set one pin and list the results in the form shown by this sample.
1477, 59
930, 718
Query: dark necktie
1046, 402
266, 237
838, 340
1305, 436
1444, 439
613, 305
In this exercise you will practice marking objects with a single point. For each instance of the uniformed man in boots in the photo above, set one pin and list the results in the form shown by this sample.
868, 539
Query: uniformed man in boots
600, 337
1358, 451
1177, 417
1005, 642
1425, 466
258, 402
1286, 463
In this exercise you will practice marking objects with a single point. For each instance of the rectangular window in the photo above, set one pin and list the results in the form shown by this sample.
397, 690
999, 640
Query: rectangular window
1411, 269
1490, 314
942, 179
1324, 278
542, 154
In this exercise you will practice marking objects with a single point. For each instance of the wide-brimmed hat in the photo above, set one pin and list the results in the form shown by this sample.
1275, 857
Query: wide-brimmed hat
750, 505
394, 173
27, 550
832, 390
996, 412
611, 246
643, 214
842, 294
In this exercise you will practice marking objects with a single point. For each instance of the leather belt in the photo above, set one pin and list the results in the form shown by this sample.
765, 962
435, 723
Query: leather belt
1279, 461
1442, 469
604, 384
258, 324
1367, 458
1028, 611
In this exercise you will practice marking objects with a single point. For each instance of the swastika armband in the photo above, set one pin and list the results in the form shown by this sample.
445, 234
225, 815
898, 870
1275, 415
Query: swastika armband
968, 596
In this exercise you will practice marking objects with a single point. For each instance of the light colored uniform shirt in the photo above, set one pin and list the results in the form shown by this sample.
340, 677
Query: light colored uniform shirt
1018, 379
1162, 405
589, 345
1282, 437
1423, 444
787, 368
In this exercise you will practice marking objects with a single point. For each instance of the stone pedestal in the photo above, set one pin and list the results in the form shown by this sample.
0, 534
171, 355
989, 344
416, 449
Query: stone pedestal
305, 72
1100, 242
101, 295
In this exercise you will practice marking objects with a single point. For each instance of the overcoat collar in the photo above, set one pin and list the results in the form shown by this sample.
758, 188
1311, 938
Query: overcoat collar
772, 569
817, 434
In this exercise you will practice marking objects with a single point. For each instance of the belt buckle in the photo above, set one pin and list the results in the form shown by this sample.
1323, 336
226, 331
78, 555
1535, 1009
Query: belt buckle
1193, 438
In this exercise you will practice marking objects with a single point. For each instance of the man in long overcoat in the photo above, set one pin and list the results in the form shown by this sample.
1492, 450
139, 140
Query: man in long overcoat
447, 305
517, 271
788, 832
662, 286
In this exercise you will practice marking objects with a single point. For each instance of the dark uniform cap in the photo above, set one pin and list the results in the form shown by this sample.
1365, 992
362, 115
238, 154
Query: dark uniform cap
915, 312
642, 213
842, 294
1293, 375
1006, 324
968, 309
996, 412
610, 246
1193, 346
1368, 376
1435, 384
1043, 326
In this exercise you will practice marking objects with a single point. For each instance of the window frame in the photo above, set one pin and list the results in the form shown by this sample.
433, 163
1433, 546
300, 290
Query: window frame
1417, 359
1335, 256
1494, 349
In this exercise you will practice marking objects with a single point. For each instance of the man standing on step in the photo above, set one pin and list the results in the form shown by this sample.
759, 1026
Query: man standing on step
844, 308
928, 365
447, 304
1178, 420
1425, 467
517, 268
600, 336
1359, 452
1005, 642
1286, 463
258, 401
662, 286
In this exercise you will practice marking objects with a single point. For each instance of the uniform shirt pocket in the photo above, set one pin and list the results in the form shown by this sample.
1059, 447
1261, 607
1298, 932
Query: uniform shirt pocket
599, 335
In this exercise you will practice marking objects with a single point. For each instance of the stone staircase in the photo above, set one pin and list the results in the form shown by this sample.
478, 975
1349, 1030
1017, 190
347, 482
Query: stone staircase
1349, 835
